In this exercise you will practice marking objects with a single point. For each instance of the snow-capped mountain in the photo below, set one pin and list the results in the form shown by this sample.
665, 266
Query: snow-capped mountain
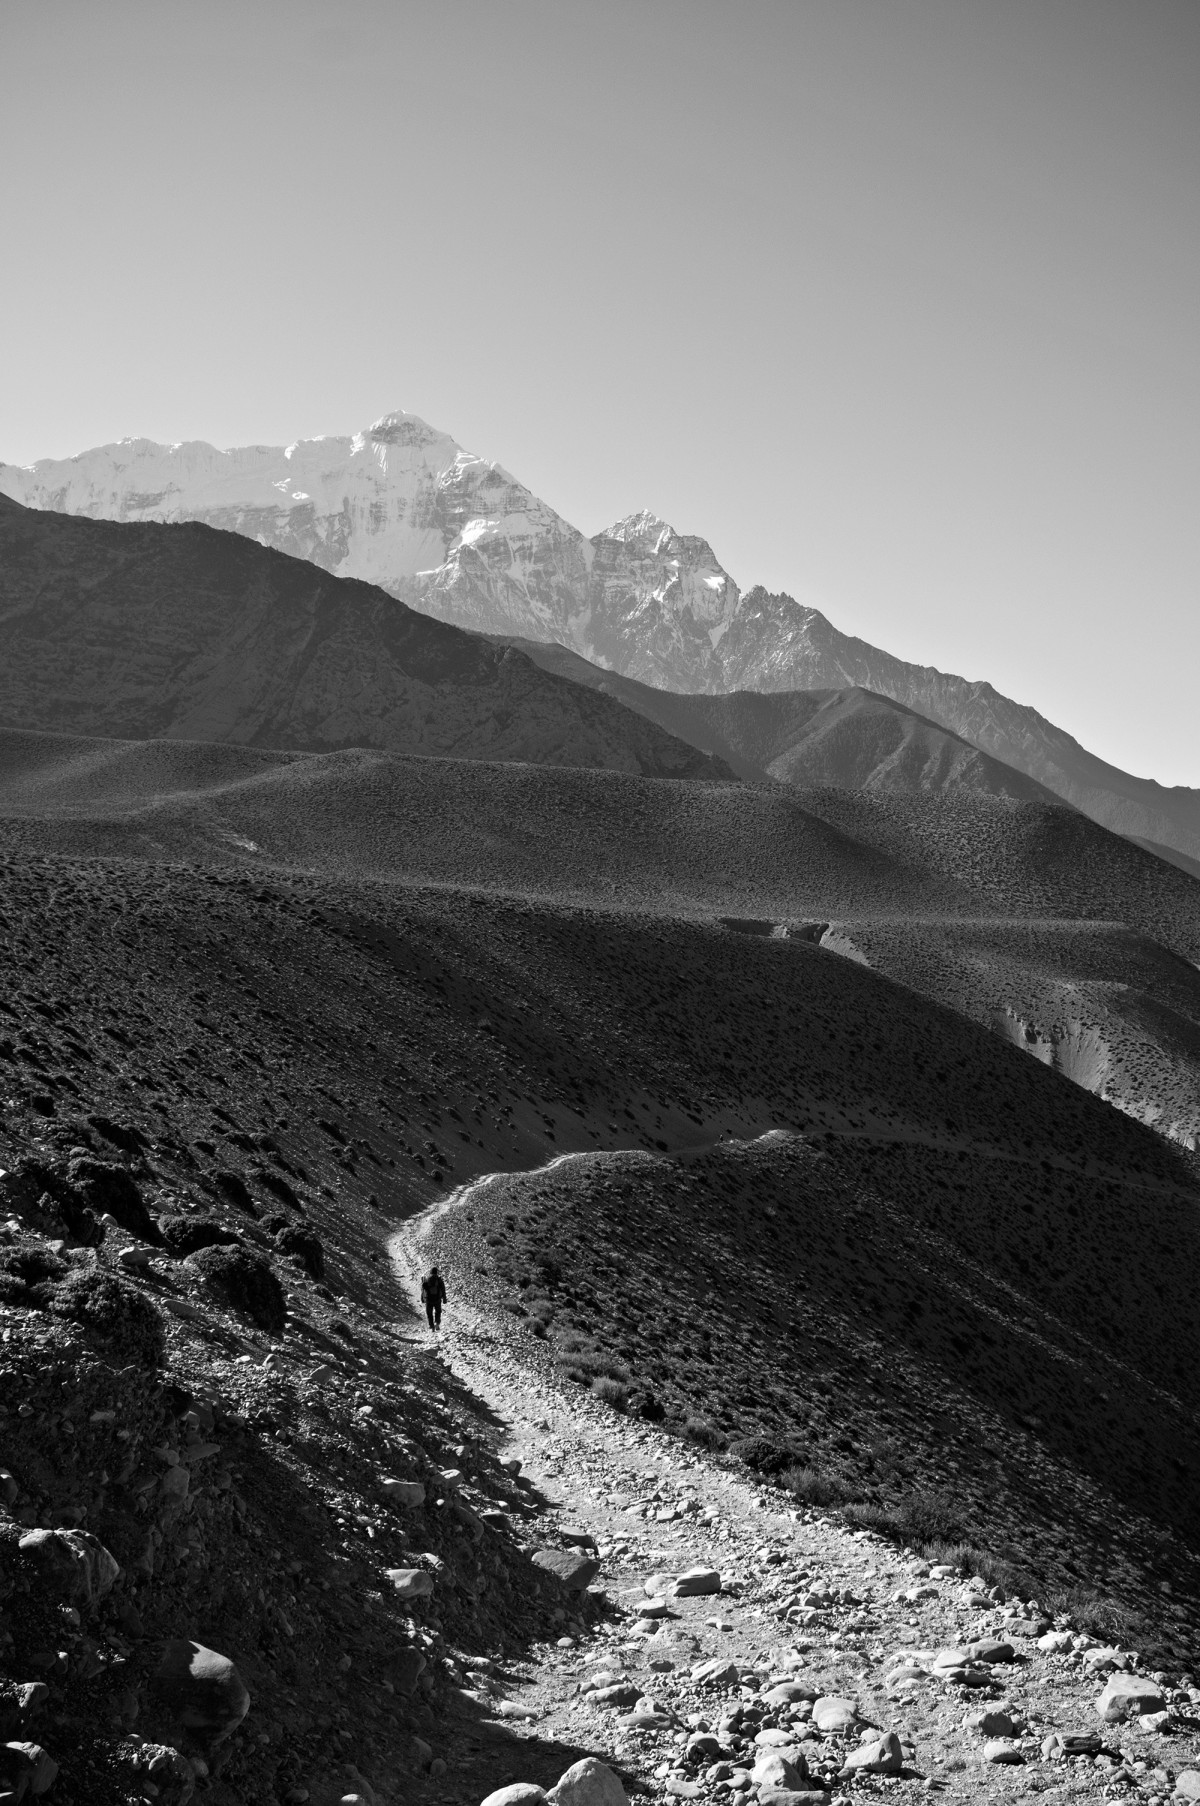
407, 508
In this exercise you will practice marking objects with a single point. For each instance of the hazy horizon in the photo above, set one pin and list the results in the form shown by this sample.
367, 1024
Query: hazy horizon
893, 304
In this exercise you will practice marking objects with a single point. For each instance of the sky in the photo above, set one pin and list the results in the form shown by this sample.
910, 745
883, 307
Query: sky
895, 302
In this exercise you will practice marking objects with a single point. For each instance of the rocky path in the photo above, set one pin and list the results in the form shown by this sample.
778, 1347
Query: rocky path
757, 1651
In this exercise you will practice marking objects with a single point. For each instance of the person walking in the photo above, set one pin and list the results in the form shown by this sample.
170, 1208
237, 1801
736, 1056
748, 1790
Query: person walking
433, 1297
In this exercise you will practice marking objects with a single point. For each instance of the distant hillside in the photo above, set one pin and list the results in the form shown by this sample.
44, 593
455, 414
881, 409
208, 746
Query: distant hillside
851, 738
182, 631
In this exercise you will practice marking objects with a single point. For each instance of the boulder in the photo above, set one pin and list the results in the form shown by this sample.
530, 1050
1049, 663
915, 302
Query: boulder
775, 1770
519, 1793
881, 1756
1000, 1750
657, 1585
716, 1672
695, 1581
989, 1649
588, 1783
1129, 1696
702, 1746
409, 1493
411, 1583
787, 1693
1061, 1744
623, 1694
1187, 1784
73, 1563
835, 1714
989, 1723
575, 1571
26, 1768
407, 1667
201, 1688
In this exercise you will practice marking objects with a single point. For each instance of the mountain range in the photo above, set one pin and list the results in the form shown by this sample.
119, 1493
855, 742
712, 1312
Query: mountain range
405, 507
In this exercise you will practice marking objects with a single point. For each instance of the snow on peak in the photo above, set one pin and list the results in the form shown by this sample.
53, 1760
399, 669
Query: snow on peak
643, 528
399, 428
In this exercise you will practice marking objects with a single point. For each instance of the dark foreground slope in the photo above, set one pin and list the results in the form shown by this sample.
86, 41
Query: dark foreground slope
275, 1053
185, 632
849, 737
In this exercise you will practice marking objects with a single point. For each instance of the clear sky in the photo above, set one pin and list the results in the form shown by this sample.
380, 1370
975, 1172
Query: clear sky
897, 302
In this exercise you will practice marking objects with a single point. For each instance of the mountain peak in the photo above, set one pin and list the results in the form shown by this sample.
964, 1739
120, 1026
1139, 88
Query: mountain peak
642, 529
399, 428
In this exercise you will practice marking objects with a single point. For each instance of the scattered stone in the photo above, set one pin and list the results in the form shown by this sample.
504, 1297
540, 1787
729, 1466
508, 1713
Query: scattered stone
520, 1793
997, 1749
1187, 1784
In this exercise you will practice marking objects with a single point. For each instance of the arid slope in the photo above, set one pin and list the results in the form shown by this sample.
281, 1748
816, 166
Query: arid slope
184, 632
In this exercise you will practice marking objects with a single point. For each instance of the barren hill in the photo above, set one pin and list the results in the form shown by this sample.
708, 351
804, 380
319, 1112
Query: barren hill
186, 632
851, 738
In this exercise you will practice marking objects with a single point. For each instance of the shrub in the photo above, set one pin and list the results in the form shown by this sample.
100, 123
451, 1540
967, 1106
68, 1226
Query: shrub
765, 1456
236, 1190
701, 1431
307, 1246
107, 1188
922, 1518
186, 1235
613, 1392
29, 1262
246, 1281
116, 1314
812, 1486
275, 1182
592, 1363
651, 1408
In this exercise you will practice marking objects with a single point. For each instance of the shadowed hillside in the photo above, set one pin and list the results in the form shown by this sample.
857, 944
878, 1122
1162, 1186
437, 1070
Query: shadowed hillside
185, 632
850, 737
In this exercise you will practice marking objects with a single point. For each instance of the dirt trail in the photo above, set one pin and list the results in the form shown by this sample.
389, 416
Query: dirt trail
801, 1594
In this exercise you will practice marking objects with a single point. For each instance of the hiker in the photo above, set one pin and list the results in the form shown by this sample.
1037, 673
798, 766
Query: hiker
433, 1297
